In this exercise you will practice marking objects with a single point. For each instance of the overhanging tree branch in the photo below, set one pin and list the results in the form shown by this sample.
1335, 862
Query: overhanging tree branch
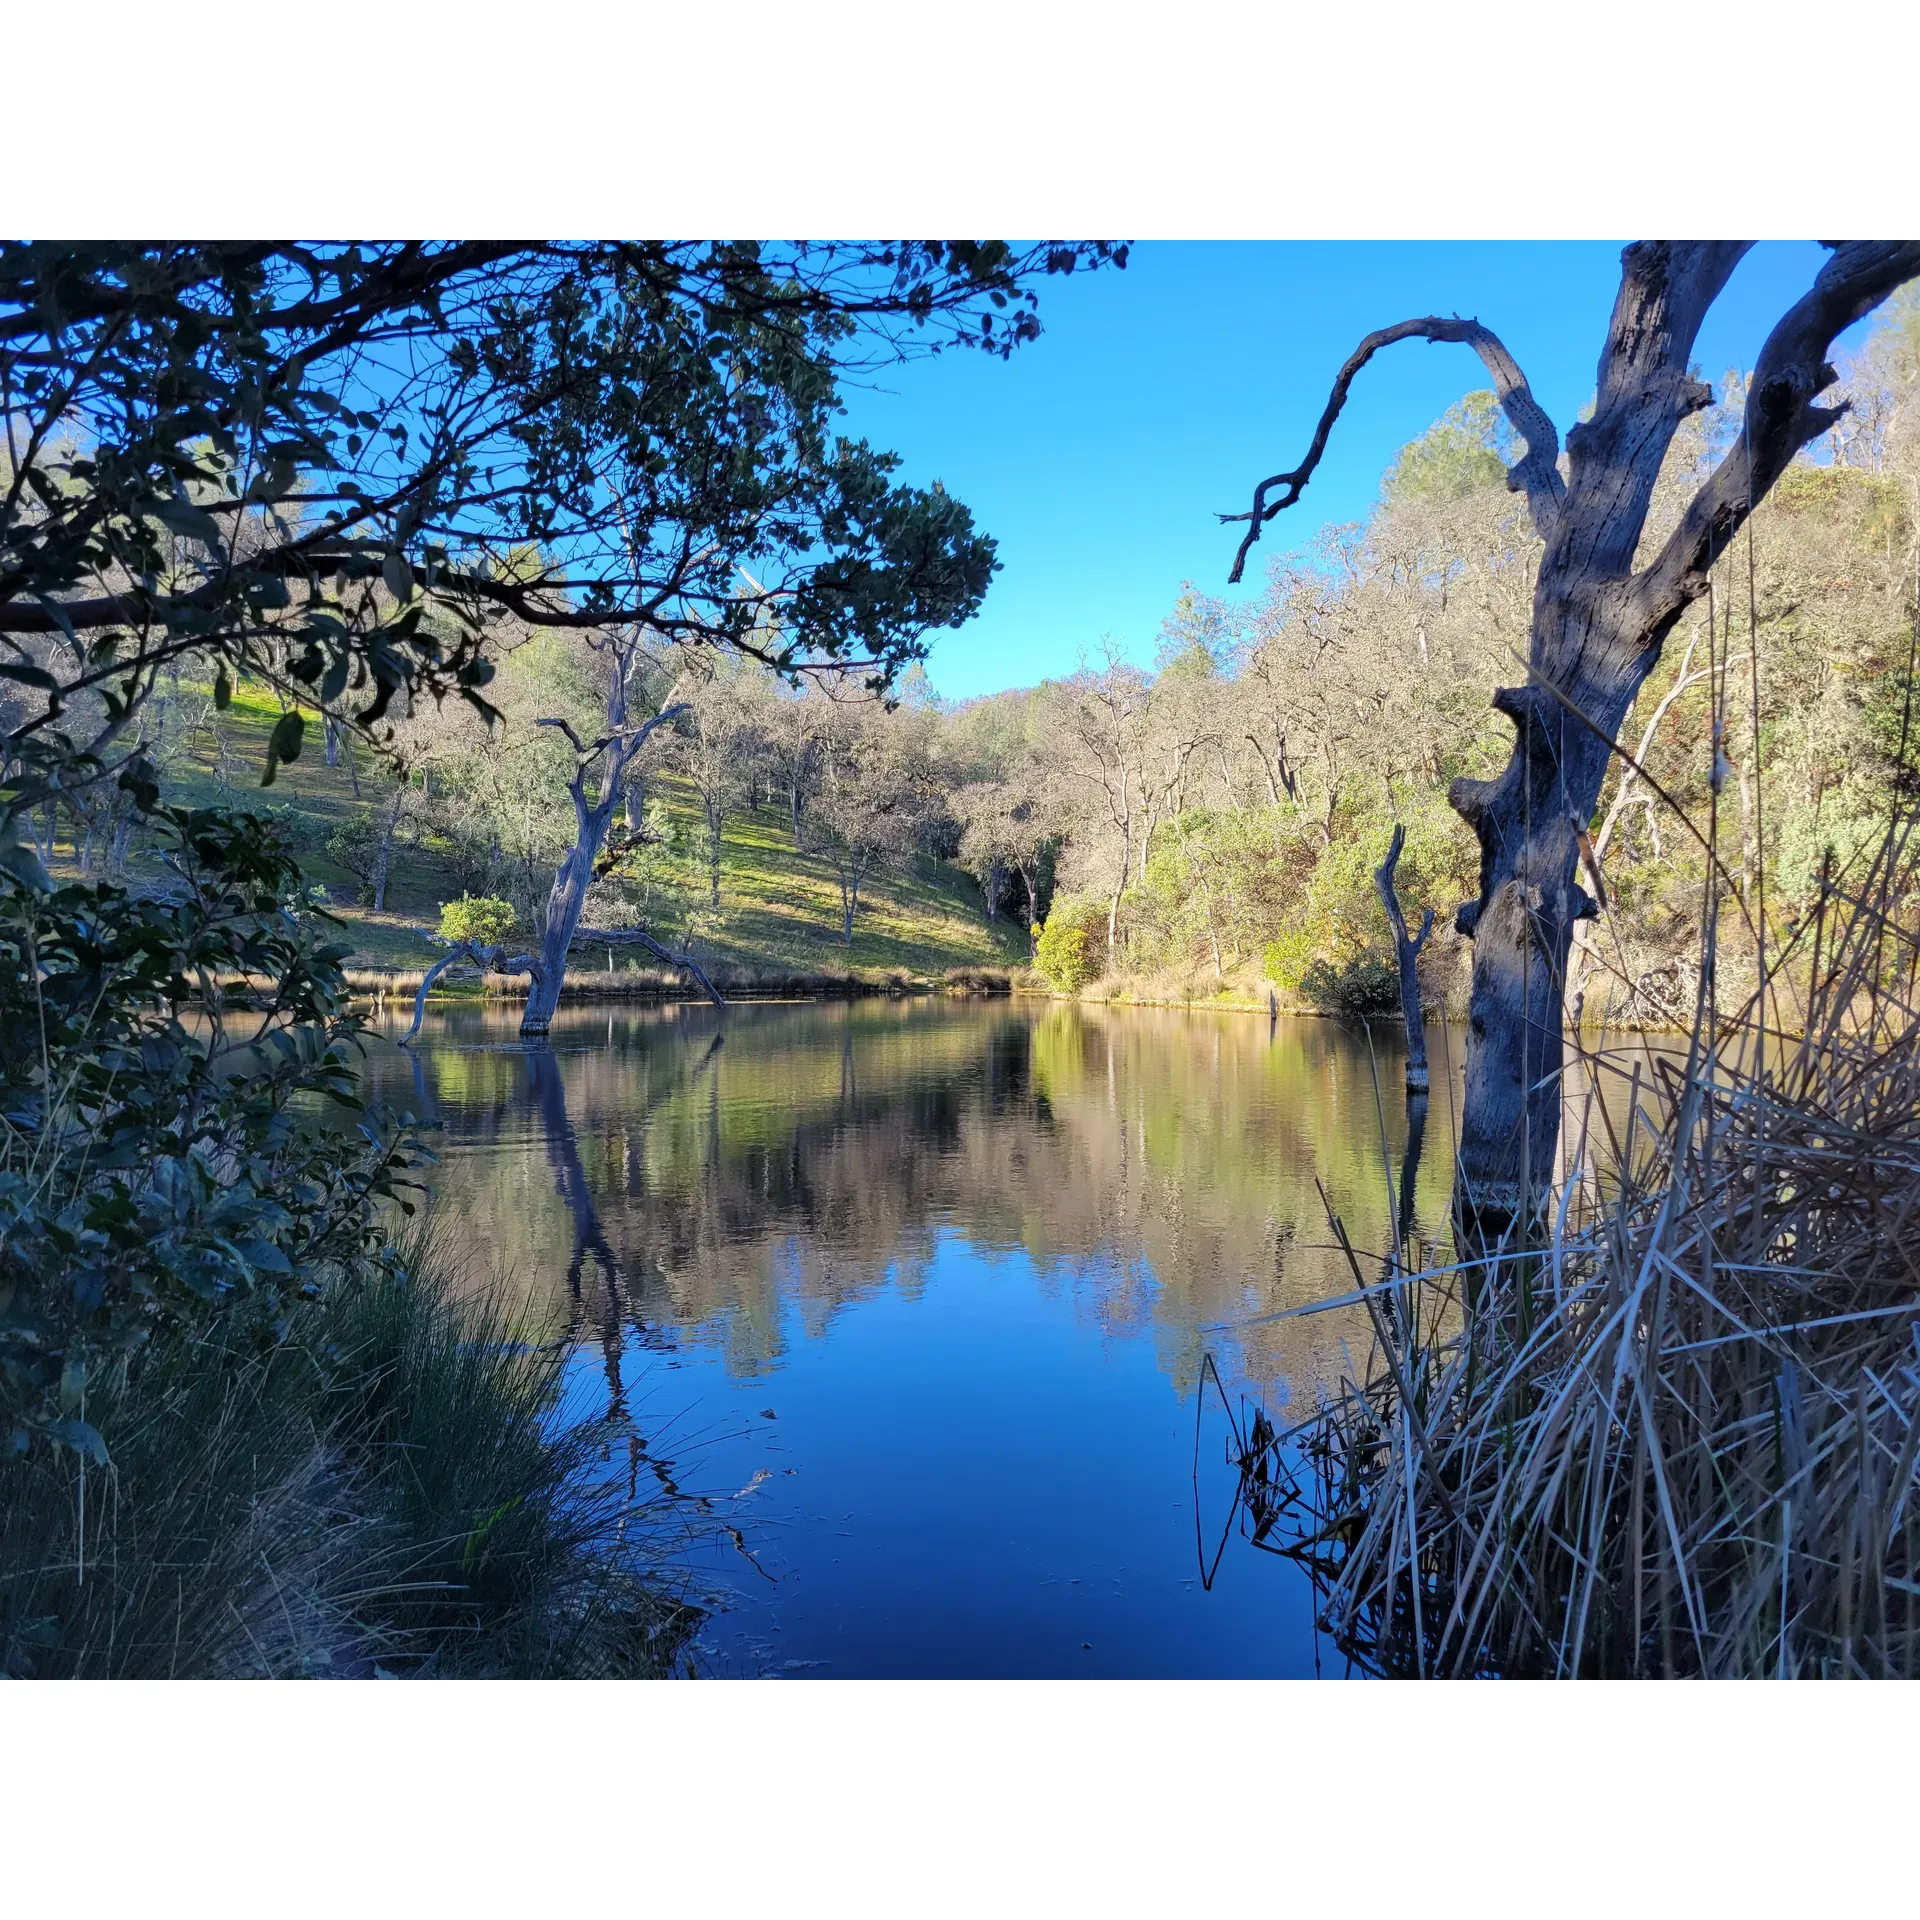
1536, 473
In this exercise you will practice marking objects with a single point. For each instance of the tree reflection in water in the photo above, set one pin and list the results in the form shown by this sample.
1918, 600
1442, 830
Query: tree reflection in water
1027, 1187
1157, 1167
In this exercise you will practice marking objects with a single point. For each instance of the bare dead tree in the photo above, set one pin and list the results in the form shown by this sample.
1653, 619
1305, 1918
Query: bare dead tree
1406, 953
1597, 629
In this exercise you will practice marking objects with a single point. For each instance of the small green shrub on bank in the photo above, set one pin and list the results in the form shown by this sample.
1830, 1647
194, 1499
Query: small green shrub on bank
1063, 958
1365, 988
164, 1166
355, 845
482, 918
1067, 955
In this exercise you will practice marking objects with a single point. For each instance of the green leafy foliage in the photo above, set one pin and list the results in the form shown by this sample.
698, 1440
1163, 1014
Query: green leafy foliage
482, 918
161, 1161
1066, 955
355, 845
1364, 988
1465, 451
194, 428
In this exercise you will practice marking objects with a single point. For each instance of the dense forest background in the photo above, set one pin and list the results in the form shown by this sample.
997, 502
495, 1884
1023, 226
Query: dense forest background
1207, 826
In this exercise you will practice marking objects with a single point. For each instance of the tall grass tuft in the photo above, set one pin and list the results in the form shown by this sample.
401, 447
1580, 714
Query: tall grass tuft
1678, 1433
387, 1488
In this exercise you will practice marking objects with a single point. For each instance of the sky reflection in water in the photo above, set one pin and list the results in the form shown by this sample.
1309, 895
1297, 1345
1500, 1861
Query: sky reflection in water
921, 1289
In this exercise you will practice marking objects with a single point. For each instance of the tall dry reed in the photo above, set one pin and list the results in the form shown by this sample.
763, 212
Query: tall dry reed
1678, 1431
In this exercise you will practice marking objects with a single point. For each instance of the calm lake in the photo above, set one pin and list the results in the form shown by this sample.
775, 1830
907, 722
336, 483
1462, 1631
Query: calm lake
918, 1292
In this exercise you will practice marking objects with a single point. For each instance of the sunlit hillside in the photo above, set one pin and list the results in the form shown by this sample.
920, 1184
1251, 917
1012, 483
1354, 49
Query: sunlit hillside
780, 908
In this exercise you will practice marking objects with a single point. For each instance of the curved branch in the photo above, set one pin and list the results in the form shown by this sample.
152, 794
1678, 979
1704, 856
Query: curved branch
631, 738
1780, 419
487, 959
1537, 472
634, 937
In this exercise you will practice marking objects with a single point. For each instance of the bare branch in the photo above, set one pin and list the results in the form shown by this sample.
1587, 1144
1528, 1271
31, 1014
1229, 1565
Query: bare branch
635, 937
1780, 419
631, 738
1537, 473
1390, 899
486, 959
636, 737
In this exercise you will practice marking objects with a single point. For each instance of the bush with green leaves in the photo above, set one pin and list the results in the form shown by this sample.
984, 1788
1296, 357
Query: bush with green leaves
1364, 988
165, 1156
483, 918
355, 845
1287, 957
1066, 955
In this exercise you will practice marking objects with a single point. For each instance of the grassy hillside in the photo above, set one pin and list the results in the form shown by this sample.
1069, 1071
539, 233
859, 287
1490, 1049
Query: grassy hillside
782, 907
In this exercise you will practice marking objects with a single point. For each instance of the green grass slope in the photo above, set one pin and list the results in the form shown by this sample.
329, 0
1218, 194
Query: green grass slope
780, 907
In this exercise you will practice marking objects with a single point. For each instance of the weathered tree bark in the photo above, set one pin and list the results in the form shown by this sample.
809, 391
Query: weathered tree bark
1406, 952
1597, 630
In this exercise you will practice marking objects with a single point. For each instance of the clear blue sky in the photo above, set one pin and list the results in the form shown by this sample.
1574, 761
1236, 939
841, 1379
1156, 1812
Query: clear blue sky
1098, 456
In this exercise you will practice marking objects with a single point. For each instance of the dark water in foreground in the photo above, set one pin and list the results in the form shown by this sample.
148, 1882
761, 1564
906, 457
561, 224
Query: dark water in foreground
919, 1291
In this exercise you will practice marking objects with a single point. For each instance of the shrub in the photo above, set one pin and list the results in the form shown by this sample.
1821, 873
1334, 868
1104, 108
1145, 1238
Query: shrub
155, 1172
482, 918
1064, 955
1362, 989
1289, 957
355, 845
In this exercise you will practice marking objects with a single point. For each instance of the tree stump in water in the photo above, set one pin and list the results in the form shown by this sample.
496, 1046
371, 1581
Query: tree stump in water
1406, 952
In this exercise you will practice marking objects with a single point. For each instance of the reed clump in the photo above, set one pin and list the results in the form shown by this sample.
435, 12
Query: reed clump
1677, 1432
978, 980
385, 1488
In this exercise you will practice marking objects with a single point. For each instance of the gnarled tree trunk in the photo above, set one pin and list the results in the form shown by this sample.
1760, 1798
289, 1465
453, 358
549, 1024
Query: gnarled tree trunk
1597, 630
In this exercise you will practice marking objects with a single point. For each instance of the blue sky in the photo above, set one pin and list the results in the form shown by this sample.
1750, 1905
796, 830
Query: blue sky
1098, 456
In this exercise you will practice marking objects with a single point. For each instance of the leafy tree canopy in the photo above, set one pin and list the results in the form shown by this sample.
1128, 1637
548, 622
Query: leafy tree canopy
1465, 451
325, 465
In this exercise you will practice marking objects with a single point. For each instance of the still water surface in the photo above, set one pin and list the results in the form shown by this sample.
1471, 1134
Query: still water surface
919, 1291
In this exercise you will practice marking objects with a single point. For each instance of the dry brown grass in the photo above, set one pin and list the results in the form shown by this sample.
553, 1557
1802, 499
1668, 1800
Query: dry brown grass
1678, 1432
642, 983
